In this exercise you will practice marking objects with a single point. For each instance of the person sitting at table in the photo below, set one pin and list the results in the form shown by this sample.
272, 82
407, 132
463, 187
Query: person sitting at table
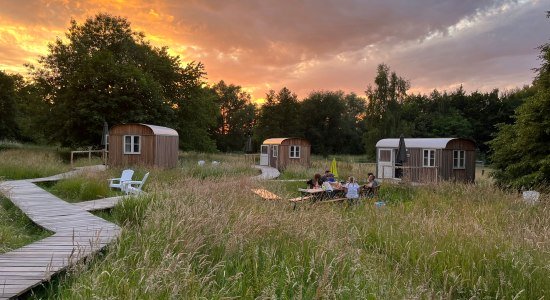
331, 178
352, 190
325, 176
370, 186
315, 182
327, 187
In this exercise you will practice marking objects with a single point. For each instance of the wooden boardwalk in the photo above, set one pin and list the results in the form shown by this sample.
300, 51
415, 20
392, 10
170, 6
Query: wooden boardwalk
77, 234
267, 173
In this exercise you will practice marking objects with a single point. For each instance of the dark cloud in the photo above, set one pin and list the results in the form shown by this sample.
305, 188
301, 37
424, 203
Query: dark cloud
319, 44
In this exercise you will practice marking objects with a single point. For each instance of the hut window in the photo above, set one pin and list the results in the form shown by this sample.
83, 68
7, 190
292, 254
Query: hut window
132, 144
294, 151
459, 159
429, 158
384, 156
275, 150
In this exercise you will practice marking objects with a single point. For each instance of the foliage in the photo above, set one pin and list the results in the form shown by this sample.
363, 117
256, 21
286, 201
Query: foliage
81, 188
278, 116
235, 118
521, 151
107, 72
8, 101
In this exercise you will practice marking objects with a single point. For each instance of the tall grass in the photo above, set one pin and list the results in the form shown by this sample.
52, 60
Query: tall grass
16, 229
87, 186
28, 163
209, 237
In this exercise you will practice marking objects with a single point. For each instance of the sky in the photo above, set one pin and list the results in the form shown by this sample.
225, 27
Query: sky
311, 45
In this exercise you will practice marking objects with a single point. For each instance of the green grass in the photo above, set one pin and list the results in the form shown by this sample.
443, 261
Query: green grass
81, 188
201, 233
16, 229
212, 238
32, 162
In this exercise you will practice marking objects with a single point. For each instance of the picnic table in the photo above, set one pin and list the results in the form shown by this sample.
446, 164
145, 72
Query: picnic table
319, 195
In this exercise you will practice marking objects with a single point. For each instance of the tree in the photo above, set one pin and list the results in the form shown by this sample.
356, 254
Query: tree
107, 72
279, 116
521, 151
8, 101
236, 116
383, 107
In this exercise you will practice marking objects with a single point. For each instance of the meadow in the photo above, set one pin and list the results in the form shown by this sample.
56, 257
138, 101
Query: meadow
200, 233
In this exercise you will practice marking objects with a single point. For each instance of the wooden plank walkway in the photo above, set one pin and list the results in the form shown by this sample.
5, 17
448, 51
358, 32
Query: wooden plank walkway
267, 173
77, 234
100, 204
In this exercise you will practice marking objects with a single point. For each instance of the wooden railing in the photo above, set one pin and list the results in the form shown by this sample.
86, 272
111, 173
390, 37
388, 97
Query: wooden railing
89, 152
252, 158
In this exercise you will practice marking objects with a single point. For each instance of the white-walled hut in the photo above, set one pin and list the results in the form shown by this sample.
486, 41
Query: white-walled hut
143, 144
281, 152
427, 159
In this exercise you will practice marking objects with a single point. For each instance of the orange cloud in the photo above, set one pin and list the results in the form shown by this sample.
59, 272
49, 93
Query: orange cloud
309, 45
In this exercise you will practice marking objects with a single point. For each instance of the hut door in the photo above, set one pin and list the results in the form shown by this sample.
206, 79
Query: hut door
386, 159
264, 155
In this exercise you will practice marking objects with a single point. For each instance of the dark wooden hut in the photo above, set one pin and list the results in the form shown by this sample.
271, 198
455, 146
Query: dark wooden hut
281, 152
143, 144
428, 159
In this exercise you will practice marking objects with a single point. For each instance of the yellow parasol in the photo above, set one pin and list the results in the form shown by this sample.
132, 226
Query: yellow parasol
333, 168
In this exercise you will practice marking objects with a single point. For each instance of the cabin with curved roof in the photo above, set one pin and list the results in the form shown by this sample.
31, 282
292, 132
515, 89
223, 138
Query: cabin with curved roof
143, 144
282, 152
427, 160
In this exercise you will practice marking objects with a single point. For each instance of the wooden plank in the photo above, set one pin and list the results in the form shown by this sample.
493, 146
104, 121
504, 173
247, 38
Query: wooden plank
77, 235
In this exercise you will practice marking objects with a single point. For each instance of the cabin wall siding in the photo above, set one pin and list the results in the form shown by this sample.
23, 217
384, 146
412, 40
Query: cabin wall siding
283, 160
159, 151
414, 170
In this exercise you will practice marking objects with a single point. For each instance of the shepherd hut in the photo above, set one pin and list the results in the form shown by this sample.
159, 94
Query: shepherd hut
143, 144
426, 159
281, 152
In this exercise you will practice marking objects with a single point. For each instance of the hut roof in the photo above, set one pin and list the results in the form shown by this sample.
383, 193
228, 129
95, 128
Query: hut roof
433, 143
277, 141
160, 130
157, 130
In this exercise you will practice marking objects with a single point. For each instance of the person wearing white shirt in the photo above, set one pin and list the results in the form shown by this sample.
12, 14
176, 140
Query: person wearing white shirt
352, 190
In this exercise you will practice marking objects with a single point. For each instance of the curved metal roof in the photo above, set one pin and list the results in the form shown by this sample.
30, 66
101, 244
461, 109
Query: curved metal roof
277, 141
432, 143
161, 130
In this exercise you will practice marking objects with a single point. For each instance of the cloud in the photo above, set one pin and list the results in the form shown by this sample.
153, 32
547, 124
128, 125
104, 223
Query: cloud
312, 44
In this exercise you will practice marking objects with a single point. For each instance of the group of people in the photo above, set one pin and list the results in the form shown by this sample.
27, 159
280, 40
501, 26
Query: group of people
351, 188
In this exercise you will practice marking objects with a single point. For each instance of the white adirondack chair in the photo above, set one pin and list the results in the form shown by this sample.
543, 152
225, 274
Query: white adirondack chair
134, 186
117, 183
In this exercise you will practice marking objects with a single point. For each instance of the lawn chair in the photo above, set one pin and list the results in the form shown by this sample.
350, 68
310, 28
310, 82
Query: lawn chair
116, 183
134, 186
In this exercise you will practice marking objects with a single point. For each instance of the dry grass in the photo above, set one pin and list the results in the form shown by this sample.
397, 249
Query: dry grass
208, 236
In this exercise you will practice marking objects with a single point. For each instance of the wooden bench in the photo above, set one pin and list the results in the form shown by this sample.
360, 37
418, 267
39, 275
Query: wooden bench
265, 194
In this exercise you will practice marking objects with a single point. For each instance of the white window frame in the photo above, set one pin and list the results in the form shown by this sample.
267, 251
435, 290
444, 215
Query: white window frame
460, 158
380, 155
106, 143
132, 144
275, 150
294, 151
431, 162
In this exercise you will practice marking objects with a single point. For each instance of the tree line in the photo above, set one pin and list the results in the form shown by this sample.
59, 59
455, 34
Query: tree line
103, 71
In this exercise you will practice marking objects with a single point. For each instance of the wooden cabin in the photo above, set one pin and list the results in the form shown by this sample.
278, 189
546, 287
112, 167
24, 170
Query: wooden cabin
143, 144
281, 152
428, 160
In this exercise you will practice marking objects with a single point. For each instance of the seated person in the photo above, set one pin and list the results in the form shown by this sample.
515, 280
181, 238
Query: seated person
371, 185
352, 190
328, 189
325, 176
331, 178
315, 182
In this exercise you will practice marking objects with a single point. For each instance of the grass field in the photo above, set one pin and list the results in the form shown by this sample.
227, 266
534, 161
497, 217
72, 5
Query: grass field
201, 233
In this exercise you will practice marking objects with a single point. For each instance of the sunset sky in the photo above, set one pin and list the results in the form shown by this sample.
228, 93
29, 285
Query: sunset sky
312, 44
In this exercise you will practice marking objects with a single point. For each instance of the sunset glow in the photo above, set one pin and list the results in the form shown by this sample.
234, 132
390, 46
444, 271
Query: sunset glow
310, 45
